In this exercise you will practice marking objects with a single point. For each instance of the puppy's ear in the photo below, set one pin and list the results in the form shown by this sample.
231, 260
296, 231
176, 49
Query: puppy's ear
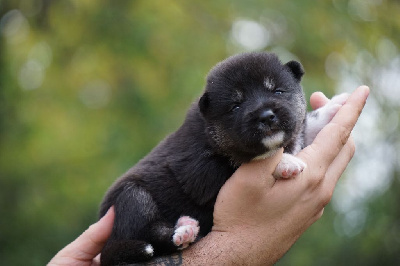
204, 102
296, 69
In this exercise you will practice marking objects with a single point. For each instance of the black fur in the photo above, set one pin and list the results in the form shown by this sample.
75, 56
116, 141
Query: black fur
247, 98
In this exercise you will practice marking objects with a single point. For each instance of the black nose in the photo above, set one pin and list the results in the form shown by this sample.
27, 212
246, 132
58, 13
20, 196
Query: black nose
267, 117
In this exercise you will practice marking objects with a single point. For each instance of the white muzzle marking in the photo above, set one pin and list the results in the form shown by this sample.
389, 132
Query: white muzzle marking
272, 143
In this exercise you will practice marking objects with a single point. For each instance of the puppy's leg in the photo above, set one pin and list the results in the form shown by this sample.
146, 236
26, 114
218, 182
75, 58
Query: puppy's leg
317, 119
135, 210
167, 239
117, 252
289, 166
186, 232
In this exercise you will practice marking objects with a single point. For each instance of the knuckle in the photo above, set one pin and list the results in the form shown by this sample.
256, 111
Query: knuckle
317, 215
343, 133
325, 197
315, 181
351, 147
316, 177
320, 213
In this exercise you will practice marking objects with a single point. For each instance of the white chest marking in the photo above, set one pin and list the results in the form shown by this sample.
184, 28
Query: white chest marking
272, 143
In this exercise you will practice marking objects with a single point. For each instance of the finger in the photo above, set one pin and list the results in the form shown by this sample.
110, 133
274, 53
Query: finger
89, 244
96, 261
333, 174
329, 142
317, 100
94, 238
258, 172
338, 166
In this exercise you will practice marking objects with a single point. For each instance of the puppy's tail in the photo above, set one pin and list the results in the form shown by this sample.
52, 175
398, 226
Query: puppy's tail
119, 252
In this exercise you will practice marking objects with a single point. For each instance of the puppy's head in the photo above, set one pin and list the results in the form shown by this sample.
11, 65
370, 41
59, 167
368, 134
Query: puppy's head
253, 105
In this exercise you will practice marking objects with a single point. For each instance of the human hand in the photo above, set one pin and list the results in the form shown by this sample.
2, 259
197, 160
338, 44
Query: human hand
258, 218
86, 248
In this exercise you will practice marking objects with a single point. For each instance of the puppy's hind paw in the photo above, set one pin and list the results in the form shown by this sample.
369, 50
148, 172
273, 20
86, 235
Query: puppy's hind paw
289, 167
186, 232
149, 250
186, 220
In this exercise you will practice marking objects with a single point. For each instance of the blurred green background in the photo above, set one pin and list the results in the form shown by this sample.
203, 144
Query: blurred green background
87, 88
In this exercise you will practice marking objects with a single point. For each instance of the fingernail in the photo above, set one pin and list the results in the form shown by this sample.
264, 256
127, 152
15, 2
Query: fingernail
109, 210
365, 90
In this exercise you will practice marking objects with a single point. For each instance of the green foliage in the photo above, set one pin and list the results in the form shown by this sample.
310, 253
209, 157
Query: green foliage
89, 87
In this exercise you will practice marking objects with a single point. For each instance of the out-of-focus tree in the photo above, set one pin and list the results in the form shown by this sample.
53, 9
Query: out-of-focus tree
89, 87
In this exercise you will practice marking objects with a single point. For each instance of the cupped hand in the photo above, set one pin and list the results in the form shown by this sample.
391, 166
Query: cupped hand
266, 216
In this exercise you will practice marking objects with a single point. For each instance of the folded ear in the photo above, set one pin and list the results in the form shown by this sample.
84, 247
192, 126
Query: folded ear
204, 102
296, 69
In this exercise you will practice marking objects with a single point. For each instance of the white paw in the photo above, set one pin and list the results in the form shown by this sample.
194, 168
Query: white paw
319, 118
149, 250
328, 111
289, 166
340, 99
186, 232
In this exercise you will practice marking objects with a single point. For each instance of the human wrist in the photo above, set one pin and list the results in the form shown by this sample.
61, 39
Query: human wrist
233, 248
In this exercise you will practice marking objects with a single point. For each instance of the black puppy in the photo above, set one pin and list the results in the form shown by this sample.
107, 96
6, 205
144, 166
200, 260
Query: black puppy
252, 106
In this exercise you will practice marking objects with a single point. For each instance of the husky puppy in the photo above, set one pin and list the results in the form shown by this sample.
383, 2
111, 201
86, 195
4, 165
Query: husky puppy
252, 106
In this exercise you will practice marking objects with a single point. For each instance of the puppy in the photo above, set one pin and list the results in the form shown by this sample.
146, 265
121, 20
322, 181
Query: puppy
252, 106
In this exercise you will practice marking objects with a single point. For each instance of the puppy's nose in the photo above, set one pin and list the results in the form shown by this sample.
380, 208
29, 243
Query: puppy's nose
267, 117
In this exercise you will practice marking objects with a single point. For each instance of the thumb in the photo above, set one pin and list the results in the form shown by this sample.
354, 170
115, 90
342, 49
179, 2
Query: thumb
243, 191
88, 245
94, 238
317, 100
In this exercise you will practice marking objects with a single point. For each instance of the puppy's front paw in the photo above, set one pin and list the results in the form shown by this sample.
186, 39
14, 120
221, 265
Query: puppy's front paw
289, 166
319, 118
186, 232
328, 111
